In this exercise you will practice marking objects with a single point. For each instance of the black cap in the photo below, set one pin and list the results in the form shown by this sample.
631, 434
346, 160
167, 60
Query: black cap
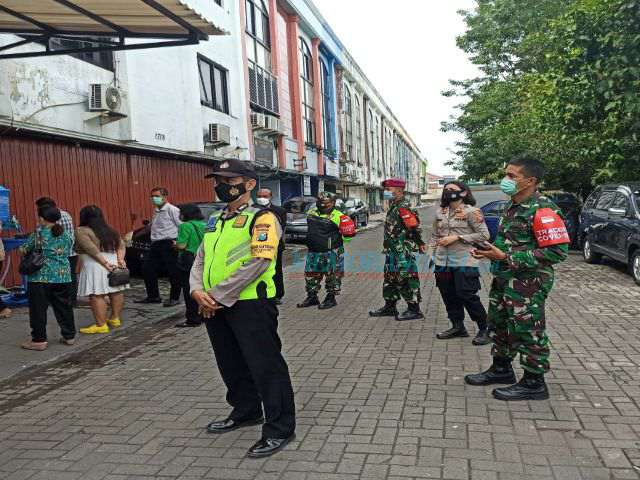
233, 167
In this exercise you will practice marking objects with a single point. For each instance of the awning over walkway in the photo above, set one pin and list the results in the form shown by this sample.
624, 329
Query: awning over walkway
111, 20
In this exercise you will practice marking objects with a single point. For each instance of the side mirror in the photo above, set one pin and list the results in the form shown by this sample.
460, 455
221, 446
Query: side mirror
620, 212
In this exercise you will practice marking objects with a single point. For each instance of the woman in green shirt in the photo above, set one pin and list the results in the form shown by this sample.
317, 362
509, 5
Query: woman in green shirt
190, 235
51, 285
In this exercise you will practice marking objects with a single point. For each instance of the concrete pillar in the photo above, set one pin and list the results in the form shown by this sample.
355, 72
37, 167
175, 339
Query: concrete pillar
294, 85
317, 101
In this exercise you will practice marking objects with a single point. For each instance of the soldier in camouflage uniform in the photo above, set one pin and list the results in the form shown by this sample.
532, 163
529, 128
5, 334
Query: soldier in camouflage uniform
523, 278
326, 236
402, 240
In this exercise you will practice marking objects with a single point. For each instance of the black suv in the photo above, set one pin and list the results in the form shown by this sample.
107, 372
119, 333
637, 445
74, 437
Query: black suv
610, 225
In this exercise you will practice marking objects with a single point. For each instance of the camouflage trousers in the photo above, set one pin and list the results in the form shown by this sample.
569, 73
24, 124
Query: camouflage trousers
328, 265
517, 318
401, 278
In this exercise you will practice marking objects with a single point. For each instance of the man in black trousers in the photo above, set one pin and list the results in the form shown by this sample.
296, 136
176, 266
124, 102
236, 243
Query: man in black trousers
264, 199
232, 279
163, 254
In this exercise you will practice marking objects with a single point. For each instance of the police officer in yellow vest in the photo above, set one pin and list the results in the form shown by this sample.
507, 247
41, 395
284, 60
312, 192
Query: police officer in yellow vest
232, 281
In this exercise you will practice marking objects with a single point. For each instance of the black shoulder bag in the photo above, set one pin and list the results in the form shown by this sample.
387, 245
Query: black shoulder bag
186, 258
33, 260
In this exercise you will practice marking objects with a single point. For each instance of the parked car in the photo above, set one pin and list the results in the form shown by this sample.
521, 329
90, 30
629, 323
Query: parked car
357, 210
297, 208
610, 226
140, 243
569, 205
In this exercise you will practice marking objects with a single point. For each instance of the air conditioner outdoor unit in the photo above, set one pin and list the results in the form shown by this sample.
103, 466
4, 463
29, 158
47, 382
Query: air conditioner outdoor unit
257, 121
104, 98
271, 123
219, 135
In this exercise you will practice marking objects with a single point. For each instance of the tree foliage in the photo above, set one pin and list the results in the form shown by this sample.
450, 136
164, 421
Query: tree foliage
561, 79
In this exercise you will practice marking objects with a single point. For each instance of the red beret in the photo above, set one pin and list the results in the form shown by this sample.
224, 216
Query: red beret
394, 182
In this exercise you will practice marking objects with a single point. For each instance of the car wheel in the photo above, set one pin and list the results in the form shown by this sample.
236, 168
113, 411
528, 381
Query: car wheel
366, 220
634, 265
587, 251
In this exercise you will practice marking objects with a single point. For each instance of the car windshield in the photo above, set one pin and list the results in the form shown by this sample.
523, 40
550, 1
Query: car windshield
297, 206
350, 203
208, 208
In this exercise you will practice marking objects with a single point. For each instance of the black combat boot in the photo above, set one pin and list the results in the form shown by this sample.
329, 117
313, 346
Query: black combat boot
389, 310
500, 371
411, 313
328, 302
482, 337
530, 387
310, 301
457, 330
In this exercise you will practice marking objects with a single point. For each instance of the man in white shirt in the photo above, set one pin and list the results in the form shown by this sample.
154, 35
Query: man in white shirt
164, 231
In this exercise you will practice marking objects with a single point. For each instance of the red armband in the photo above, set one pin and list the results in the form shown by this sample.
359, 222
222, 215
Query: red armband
347, 227
549, 228
408, 218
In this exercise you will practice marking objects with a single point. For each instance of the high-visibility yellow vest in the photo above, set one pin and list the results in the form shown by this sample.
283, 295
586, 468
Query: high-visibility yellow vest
227, 246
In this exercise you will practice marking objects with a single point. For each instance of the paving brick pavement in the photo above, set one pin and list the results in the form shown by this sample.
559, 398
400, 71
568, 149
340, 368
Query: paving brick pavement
375, 398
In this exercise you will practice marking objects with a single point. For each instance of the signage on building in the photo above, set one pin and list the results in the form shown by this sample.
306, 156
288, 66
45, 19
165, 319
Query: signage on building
320, 186
263, 152
306, 185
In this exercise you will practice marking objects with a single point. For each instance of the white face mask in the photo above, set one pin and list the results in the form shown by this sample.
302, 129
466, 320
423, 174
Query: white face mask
263, 201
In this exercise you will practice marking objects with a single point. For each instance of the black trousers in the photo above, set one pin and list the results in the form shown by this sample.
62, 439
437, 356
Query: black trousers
56, 295
192, 314
162, 254
248, 352
459, 290
278, 278
73, 262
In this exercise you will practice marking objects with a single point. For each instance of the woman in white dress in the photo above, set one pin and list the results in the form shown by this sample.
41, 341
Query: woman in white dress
101, 250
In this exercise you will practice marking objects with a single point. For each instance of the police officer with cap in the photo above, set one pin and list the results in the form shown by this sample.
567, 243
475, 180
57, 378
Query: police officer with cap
232, 280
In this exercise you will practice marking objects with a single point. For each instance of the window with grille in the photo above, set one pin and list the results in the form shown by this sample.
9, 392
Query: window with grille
348, 122
213, 85
306, 90
263, 85
327, 112
358, 122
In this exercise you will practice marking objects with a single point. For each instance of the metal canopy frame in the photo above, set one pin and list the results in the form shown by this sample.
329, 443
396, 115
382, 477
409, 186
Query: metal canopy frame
104, 41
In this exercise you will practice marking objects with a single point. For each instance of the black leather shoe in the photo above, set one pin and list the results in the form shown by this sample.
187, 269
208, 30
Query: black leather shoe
148, 300
453, 332
328, 302
268, 446
310, 301
500, 372
187, 324
530, 387
411, 313
482, 337
171, 303
389, 310
229, 425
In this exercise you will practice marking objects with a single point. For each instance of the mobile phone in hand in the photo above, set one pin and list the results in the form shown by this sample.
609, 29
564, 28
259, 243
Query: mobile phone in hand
482, 245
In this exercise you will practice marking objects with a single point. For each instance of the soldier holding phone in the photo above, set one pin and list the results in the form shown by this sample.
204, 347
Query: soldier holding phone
531, 239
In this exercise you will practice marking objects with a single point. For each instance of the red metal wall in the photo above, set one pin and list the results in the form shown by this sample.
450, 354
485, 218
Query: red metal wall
75, 176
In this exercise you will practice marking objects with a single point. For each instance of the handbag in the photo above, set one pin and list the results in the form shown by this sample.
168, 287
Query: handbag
119, 277
186, 258
33, 260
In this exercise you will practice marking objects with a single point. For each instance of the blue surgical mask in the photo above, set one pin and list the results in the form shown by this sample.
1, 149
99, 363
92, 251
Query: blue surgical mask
387, 195
157, 201
509, 187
